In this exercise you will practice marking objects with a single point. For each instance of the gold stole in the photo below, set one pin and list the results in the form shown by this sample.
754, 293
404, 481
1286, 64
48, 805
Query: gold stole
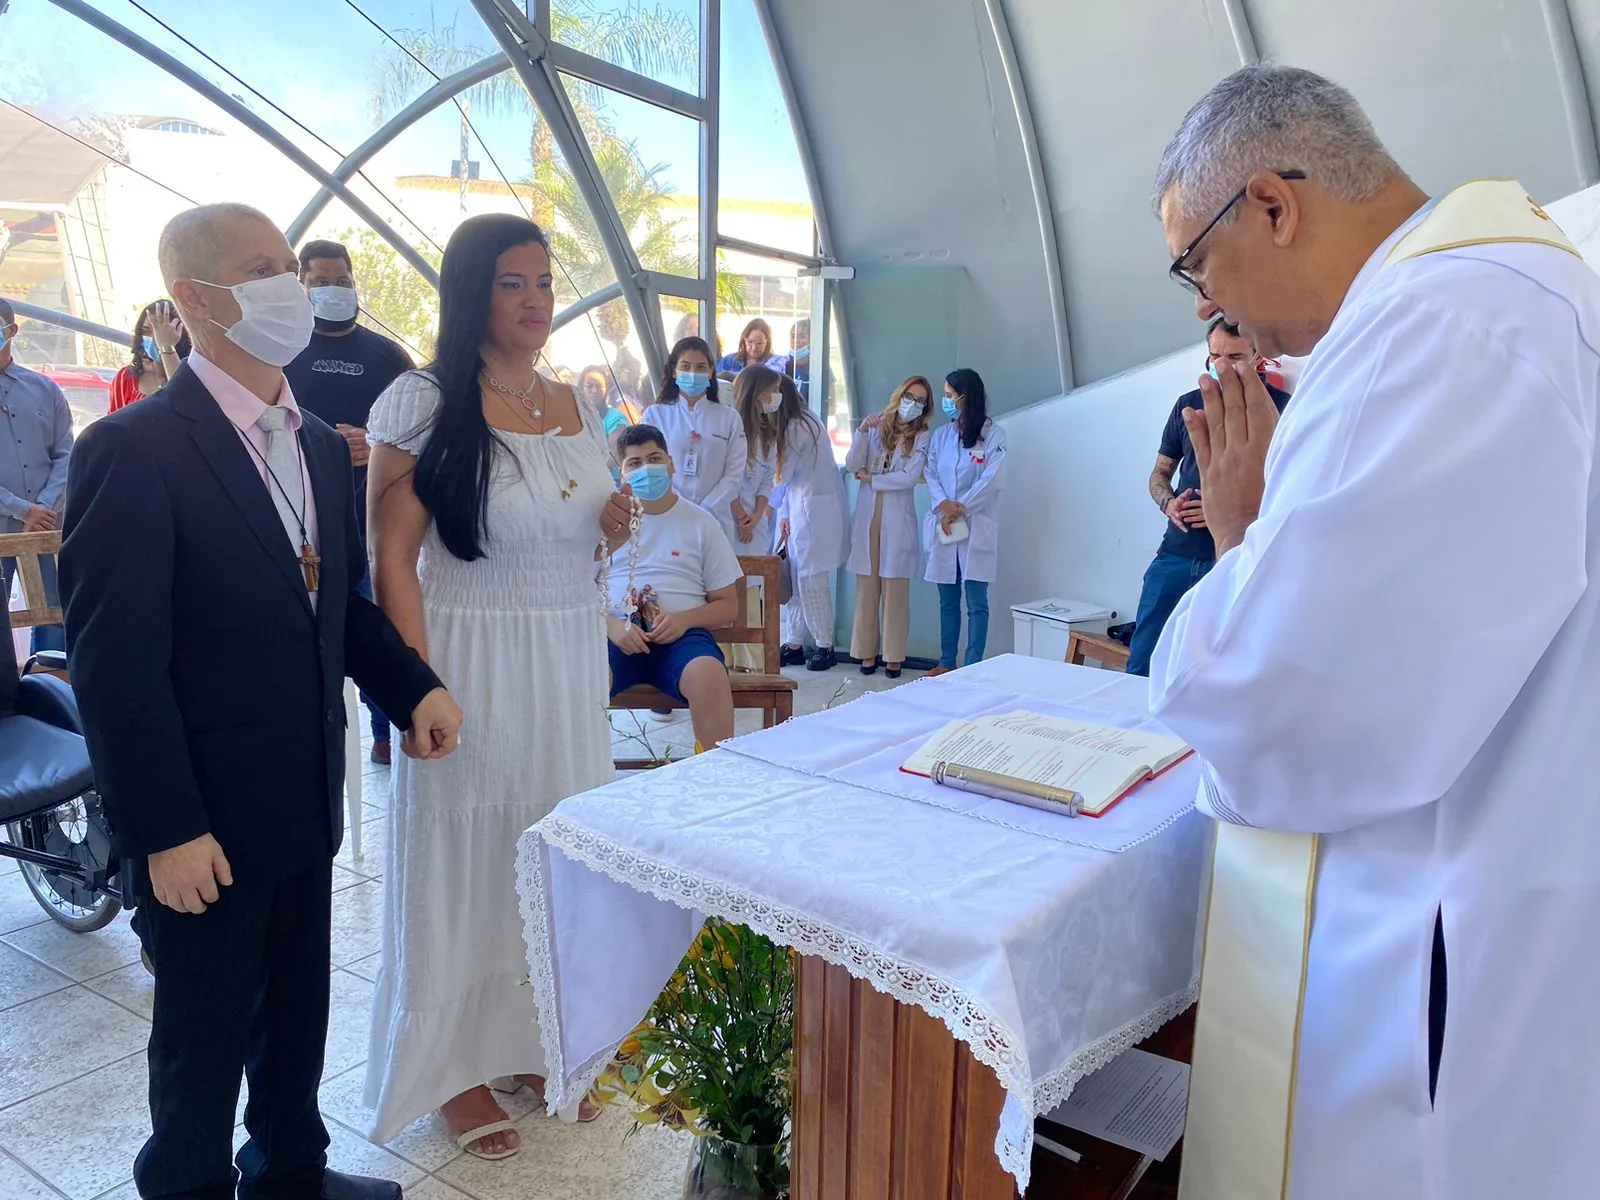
1258, 919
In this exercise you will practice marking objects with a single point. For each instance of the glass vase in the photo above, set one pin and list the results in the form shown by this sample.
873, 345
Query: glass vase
723, 1170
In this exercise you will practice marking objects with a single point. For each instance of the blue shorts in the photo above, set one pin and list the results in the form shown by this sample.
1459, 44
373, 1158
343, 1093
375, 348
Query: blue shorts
663, 666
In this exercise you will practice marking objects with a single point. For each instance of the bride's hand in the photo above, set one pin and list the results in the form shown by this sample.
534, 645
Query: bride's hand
616, 517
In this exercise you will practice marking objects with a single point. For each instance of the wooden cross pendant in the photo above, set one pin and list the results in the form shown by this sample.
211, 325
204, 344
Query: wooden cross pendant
309, 561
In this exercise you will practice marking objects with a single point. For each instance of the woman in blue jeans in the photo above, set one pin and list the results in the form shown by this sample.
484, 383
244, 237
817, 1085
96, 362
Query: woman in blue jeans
965, 472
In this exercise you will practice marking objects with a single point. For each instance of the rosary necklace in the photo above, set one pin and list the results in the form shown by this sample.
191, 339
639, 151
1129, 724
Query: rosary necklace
310, 561
635, 520
523, 396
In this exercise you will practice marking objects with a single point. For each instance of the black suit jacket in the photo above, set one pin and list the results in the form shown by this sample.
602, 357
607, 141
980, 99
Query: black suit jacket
212, 693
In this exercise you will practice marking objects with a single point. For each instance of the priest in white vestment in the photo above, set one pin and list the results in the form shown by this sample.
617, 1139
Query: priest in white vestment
1398, 651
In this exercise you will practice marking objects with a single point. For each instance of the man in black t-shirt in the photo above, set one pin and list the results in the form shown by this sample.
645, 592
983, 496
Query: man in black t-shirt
338, 377
1187, 551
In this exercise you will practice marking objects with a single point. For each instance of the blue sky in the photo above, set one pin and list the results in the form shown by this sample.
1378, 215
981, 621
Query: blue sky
319, 60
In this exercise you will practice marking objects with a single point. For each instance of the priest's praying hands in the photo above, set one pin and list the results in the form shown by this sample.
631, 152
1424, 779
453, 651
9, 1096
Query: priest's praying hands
1230, 439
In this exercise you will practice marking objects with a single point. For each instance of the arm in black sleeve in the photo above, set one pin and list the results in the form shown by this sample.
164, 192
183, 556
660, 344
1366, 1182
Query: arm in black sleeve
376, 656
116, 587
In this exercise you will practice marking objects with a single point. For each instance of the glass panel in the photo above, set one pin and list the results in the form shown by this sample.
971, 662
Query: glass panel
680, 318
660, 40
650, 161
841, 418
763, 196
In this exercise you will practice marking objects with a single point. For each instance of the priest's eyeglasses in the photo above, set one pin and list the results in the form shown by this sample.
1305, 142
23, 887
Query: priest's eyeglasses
1179, 270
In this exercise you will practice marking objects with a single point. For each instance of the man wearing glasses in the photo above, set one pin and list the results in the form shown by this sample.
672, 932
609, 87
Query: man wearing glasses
1187, 551
1395, 705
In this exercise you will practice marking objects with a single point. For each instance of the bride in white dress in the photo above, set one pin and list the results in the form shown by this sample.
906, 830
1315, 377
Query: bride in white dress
489, 497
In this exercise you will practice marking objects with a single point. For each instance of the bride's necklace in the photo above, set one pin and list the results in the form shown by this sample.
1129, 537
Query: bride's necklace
524, 397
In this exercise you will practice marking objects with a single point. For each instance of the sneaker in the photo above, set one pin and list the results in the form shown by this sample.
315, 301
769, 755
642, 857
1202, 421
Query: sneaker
822, 659
792, 656
381, 752
661, 714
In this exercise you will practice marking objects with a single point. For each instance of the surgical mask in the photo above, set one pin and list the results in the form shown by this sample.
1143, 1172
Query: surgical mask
5, 339
802, 354
772, 402
1211, 370
910, 410
692, 383
275, 318
336, 305
950, 409
650, 482
150, 349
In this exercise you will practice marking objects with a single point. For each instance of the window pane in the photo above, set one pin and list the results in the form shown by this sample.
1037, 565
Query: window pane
650, 161
659, 40
763, 195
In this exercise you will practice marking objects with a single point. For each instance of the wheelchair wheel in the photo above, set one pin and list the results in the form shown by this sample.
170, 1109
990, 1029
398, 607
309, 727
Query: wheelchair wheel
75, 830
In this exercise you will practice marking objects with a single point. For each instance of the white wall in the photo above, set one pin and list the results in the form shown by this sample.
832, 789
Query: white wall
1078, 521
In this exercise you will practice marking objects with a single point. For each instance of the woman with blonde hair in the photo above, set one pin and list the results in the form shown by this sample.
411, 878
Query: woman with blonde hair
813, 521
755, 348
887, 458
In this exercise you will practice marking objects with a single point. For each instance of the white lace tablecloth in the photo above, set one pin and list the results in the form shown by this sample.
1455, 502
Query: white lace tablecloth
1047, 956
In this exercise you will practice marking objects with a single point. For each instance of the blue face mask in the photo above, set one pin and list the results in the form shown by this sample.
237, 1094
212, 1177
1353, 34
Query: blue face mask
650, 482
1211, 370
150, 350
5, 339
692, 383
950, 409
802, 354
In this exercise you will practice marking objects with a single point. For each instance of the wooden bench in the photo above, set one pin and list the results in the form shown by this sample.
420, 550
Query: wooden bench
36, 610
1108, 652
770, 692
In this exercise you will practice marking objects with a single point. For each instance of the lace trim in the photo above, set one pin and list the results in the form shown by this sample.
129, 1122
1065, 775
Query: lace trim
992, 1044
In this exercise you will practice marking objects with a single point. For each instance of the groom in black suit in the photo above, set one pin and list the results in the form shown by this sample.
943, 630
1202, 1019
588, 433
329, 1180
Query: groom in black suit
209, 576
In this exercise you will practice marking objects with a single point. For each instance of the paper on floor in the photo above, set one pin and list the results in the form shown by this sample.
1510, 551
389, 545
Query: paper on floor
1137, 1101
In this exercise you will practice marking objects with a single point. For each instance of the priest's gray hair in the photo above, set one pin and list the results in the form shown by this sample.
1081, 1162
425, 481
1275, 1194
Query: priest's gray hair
1272, 118
191, 244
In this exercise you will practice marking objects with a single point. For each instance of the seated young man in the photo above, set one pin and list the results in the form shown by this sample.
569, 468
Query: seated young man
684, 587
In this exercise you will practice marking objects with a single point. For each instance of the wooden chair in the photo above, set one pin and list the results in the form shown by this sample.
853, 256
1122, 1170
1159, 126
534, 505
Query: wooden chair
1108, 652
36, 610
770, 692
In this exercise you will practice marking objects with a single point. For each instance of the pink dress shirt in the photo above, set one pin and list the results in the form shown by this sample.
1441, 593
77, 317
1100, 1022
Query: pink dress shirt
244, 409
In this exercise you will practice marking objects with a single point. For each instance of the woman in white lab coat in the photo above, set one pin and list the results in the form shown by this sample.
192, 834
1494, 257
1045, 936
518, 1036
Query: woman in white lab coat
966, 468
704, 437
887, 458
755, 524
812, 515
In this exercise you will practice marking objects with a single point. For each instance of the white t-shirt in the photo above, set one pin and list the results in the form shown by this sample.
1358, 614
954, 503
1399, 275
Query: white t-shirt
683, 554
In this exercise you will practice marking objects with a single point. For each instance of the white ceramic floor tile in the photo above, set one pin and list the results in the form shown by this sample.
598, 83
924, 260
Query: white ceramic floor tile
23, 979
423, 1143
83, 1135
56, 1038
343, 878
579, 1162
357, 922
366, 968
349, 1019
438, 1189
132, 987
374, 839
18, 908
128, 1191
16, 1183
82, 956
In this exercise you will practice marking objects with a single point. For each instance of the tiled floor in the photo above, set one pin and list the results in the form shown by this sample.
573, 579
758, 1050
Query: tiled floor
74, 1019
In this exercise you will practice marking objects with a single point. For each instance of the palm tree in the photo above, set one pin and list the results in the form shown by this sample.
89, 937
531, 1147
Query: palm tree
653, 42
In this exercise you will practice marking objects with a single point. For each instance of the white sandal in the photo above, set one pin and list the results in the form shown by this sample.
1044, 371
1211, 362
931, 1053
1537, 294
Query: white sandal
472, 1135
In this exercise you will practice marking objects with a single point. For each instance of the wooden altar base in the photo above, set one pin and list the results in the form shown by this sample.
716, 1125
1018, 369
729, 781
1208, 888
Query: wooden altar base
889, 1106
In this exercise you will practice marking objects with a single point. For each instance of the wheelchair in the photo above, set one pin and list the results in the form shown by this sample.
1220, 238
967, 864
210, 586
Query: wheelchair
55, 823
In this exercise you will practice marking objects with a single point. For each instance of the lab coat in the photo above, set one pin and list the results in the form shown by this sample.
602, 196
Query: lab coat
721, 464
895, 478
974, 478
758, 482
813, 502
1419, 683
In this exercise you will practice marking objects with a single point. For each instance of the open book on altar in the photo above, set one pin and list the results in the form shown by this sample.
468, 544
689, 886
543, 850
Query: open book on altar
1101, 763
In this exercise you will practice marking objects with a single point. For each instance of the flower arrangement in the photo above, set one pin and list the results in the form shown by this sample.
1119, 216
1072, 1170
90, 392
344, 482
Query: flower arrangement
715, 1057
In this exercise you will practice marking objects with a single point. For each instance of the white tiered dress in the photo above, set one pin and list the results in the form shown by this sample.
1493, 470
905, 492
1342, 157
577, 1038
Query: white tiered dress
519, 638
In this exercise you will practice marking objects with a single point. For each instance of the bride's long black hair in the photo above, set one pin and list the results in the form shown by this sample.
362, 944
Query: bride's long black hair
457, 462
